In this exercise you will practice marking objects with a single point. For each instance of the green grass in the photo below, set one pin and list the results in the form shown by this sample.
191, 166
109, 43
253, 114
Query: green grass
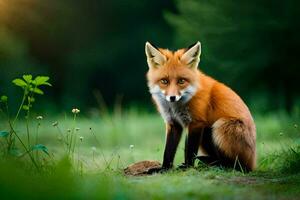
98, 174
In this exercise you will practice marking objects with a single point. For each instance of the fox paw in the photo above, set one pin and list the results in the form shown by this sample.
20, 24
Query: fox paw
183, 166
157, 170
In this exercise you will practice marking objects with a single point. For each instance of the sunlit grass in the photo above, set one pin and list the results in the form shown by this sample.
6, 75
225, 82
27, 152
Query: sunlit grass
109, 143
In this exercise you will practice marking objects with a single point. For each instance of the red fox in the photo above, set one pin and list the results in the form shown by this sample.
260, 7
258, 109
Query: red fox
219, 123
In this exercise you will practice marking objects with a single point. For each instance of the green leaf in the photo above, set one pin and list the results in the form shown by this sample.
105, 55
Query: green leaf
31, 99
4, 133
25, 107
27, 78
15, 152
19, 82
46, 83
3, 98
42, 80
38, 91
40, 147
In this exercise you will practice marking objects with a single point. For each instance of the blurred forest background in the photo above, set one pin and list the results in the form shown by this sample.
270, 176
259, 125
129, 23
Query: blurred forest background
95, 46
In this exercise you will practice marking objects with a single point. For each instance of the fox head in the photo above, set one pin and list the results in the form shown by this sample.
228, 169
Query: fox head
173, 76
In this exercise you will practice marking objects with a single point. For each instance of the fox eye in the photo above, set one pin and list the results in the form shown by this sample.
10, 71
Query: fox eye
164, 81
181, 81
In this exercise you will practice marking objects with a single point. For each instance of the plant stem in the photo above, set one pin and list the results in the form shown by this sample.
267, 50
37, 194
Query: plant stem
30, 97
73, 137
27, 129
20, 108
64, 140
37, 133
99, 144
36, 138
24, 146
10, 139
78, 156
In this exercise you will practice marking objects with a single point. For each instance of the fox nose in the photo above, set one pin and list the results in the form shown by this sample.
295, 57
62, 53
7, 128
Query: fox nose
172, 98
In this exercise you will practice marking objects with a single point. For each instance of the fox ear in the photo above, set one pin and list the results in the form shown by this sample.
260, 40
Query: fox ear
192, 56
154, 56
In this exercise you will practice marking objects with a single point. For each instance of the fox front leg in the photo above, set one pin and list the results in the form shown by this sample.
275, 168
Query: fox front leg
174, 132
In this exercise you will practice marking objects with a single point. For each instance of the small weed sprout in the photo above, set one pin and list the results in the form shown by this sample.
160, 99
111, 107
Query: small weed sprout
73, 136
69, 139
31, 87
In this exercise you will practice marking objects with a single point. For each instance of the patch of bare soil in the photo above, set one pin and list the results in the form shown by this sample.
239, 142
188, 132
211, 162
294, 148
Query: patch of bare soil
141, 168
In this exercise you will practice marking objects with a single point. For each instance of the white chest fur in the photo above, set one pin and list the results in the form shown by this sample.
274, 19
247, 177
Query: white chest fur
173, 111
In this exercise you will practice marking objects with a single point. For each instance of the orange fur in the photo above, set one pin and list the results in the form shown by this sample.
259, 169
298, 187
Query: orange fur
217, 106
213, 105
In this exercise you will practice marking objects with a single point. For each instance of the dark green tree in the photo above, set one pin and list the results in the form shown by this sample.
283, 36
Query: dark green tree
84, 45
250, 45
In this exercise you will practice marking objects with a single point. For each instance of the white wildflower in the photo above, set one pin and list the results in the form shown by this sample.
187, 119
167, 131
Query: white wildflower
281, 133
75, 111
39, 117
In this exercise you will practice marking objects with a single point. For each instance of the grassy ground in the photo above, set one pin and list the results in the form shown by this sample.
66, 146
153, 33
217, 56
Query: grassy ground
111, 142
